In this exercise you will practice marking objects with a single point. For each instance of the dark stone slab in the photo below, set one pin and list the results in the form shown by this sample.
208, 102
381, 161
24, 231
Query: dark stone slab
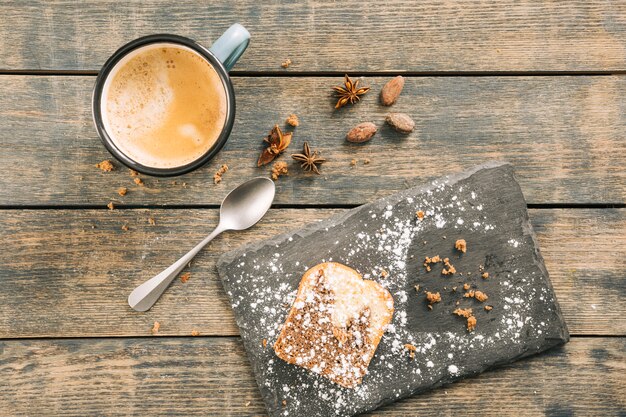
484, 206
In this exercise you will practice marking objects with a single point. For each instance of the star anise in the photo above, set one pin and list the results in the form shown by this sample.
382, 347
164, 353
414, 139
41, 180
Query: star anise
308, 161
349, 92
278, 142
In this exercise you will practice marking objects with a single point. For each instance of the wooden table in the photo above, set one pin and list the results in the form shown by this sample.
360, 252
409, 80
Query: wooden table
541, 85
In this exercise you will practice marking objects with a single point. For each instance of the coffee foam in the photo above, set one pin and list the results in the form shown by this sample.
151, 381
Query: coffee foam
164, 105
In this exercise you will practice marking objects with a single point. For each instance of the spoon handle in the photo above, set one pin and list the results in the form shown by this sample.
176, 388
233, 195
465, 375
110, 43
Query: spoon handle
144, 296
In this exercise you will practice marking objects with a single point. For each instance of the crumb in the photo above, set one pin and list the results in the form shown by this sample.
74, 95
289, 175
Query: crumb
248, 404
184, 184
138, 181
133, 173
264, 342
279, 168
195, 333
433, 297
466, 286
451, 270
286, 63
427, 268
481, 268
217, 178
430, 307
420, 214
122, 191
457, 303
384, 273
488, 308
485, 275
125, 227
111, 206
417, 288
366, 161
433, 260
480, 296
471, 323
155, 327
444, 237
461, 245
284, 403
411, 350
105, 166
463, 312
151, 221
453, 289
292, 120
185, 277
353, 163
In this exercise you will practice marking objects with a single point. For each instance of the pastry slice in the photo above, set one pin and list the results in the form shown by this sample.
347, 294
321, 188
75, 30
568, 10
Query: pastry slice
335, 323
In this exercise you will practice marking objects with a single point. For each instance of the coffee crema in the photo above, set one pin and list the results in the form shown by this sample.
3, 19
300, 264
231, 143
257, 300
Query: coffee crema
164, 105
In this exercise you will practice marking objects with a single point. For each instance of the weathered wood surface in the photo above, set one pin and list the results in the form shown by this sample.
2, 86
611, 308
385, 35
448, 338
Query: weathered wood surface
330, 36
565, 137
212, 376
67, 273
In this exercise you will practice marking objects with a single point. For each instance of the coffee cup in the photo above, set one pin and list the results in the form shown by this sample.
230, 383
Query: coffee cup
164, 105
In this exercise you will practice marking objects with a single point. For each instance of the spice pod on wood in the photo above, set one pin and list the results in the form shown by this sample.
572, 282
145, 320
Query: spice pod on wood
401, 122
391, 91
362, 132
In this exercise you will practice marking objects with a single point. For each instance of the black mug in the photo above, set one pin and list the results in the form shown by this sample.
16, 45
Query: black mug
222, 56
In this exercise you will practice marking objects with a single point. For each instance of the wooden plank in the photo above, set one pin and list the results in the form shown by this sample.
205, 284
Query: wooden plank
321, 35
564, 136
211, 376
67, 273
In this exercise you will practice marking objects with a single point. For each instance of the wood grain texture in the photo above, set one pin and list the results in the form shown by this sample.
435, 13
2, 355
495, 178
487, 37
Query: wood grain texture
565, 137
330, 36
67, 273
211, 376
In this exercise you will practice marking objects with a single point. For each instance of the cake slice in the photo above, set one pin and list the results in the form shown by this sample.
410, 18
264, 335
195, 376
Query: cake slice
335, 323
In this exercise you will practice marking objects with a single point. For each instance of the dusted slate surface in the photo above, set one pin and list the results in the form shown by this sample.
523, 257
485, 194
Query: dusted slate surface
485, 207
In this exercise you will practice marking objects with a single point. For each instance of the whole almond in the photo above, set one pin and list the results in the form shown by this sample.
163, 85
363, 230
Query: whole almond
401, 122
390, 92
361, 132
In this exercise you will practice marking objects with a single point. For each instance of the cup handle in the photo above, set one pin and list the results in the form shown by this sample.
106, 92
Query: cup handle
229, 47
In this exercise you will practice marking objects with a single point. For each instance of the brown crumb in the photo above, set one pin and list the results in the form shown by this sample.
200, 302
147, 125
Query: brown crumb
286, 63
420, 214
384, 273
155, 327
133, 173
471, 323
451, 270
122, 191
292, 120
433, 297
427, 261
111, 206
411, 350
366, 161
485, 275
264, 342
461, 245
138, 181
463, 312
184, 184
105, 166
428, 268
217, 178
195, 333
279, 168
125, 227
480, 296
488, 308
466, 286
185, 277
284, 403
151, 221
353, 163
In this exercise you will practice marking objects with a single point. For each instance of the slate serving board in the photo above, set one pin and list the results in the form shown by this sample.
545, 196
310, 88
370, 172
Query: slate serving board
484, 206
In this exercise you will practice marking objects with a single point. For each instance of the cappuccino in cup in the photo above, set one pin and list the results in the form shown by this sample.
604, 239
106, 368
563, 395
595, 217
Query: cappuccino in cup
164, 105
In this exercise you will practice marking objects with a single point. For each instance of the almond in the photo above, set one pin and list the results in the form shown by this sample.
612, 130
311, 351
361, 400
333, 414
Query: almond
401, 122
391, 91
361, 132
